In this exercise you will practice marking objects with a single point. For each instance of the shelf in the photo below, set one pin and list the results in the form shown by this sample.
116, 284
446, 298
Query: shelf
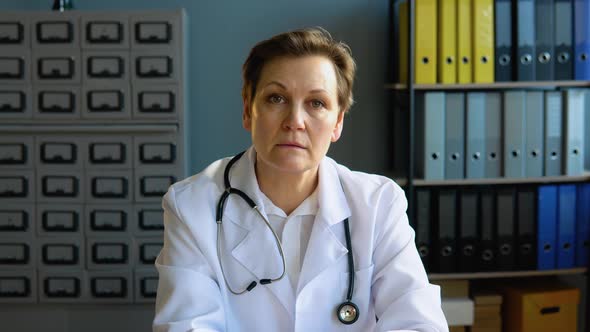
20, 128
492, 86
537, 180
504, 274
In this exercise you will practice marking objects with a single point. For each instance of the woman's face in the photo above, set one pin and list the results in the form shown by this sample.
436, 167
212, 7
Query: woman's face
294, 115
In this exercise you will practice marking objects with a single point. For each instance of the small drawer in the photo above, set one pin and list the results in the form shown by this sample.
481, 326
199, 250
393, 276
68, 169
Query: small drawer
105, 31
102, 102
157, 150
150, 186
61, 252
155, 68
109, 253
14, 30
57, 29
59, 220
155, 30
146, 285
60, 185
16, 253
156, 102
17, 186
16, 152
17, 219
62, 286
15, 102
60, 151
157, 153
109, 187
110, 286
15, 67
108, 152
106, 67
57, 102
18, 286
149, 220
56, 67
148, 250
108, 220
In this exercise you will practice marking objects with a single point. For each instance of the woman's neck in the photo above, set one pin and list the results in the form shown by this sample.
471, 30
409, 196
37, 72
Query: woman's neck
286, 190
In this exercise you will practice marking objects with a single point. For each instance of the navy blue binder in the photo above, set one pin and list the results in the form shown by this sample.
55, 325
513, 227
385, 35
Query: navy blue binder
582, 39
526, 222
566, 226
487, 226
544, 36
446, 242
468, 233
546, 227
503, 35
564, 38
505, 213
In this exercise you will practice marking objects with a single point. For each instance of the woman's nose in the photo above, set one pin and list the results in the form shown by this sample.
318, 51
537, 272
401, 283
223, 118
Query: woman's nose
295, 117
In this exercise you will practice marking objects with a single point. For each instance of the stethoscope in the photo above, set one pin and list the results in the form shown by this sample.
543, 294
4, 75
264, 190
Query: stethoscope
347, 312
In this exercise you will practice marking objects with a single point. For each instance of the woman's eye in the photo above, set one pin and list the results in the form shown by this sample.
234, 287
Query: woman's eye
317, 104
276, 99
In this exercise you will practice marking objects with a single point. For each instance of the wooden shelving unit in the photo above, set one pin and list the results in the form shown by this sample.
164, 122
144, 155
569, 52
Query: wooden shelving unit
504, 274
492, 86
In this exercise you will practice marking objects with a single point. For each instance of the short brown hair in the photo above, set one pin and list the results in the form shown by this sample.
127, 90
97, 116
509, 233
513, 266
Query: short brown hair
298, 43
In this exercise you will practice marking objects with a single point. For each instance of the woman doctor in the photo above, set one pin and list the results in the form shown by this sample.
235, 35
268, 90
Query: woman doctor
265, 241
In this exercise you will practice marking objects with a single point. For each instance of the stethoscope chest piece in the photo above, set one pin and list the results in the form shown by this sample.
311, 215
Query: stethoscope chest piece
348, 313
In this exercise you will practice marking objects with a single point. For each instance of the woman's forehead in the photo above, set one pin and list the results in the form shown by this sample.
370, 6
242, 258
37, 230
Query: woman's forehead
308, 73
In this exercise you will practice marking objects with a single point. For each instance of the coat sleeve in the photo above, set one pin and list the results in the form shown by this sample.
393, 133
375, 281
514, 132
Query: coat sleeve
188, 297
404, 298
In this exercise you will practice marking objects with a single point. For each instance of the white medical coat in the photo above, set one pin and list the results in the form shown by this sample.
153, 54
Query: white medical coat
390, 281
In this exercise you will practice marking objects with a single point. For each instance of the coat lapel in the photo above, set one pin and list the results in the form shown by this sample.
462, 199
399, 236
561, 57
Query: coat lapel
258, 252
325, 248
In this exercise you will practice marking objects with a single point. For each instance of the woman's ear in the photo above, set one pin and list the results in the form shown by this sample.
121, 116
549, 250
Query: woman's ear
337, 132
247, 116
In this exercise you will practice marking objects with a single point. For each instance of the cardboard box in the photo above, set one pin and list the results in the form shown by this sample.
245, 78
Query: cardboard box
458, 311
539, 307
487, 311
488, 323
485, 329
487, 297
453, 288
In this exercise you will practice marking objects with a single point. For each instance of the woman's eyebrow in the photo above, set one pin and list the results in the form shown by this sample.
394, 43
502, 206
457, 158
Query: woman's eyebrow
276, 83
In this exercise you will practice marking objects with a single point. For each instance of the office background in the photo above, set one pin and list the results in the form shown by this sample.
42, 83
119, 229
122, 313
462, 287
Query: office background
220, 34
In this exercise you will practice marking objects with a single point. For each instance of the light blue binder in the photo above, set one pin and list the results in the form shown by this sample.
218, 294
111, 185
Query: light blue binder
534, 134
553, 138
493, 141
573, 132
475, 135
514, 133
566, 226
455, 136
546, 227
430, 141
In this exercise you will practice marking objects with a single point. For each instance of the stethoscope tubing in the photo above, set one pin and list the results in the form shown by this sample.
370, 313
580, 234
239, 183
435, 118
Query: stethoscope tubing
219, 220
